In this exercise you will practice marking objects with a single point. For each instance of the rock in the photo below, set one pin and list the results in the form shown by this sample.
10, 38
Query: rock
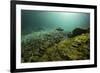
78, 31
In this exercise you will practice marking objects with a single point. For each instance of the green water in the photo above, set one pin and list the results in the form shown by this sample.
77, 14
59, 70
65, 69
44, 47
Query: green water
33, 21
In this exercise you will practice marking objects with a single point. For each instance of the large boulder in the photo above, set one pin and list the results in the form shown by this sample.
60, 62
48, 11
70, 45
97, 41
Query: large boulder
78, 31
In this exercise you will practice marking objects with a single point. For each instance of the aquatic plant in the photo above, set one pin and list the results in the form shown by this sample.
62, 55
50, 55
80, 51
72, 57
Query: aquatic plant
55, 46
70, 49
33, 45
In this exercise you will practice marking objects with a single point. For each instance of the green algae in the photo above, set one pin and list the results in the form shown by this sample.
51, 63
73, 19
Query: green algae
55, 46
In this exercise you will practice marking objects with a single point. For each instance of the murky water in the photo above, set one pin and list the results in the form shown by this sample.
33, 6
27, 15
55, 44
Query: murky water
35, 21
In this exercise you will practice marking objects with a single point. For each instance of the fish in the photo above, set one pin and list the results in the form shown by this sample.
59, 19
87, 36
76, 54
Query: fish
59, 29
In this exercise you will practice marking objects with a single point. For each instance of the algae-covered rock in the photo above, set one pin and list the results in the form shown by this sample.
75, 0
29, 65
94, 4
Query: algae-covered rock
37, 45
55, 46
70, 49
78, 31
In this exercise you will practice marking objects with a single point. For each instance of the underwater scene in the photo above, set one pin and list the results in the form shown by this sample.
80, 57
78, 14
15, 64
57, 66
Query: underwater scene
54, 36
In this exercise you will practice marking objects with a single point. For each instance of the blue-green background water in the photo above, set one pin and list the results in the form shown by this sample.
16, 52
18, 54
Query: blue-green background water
33, 21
